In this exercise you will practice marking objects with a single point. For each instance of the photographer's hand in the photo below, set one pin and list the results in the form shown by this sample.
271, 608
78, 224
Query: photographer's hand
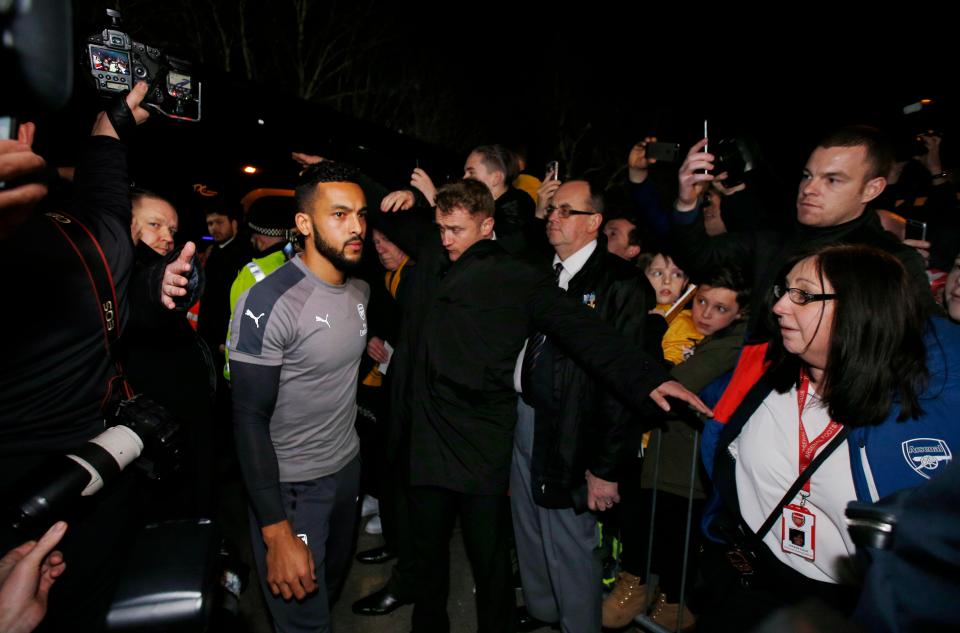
27, 573
290, 570
692, 182
922, 247
174, 283
544, 196
638, 163
17, 160
103, 127
721, 187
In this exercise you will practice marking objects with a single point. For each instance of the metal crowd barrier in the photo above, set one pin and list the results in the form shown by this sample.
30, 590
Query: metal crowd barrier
643, 620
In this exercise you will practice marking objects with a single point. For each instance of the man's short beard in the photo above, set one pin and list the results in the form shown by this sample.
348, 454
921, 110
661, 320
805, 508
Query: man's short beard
331, 254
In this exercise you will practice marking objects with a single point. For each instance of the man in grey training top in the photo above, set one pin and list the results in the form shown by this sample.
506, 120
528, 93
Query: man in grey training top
295, 346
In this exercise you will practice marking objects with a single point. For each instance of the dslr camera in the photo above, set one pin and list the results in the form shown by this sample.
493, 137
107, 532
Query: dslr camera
116, 62
736, 156
138, 429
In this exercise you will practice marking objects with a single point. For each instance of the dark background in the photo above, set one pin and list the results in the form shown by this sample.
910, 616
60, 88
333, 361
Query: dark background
392, 86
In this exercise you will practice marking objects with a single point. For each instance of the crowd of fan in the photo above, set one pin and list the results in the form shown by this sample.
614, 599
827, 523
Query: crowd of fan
831, 331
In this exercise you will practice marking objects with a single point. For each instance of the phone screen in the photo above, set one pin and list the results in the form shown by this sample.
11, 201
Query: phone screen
916, 230
8, 128
706, 146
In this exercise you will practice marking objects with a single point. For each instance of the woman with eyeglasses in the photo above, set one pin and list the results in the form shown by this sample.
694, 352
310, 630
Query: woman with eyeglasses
951, 291
855, 389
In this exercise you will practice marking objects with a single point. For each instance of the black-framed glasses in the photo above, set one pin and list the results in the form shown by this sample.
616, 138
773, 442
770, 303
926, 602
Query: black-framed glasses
566, 212
798, 296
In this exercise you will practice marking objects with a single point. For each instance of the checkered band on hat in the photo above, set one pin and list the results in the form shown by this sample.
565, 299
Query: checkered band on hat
269, 232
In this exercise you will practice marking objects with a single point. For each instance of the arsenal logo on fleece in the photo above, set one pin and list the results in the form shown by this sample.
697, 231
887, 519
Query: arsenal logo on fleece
925, 455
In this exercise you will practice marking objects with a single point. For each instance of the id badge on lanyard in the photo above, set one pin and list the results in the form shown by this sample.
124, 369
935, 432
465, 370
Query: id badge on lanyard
798, 531
798, 523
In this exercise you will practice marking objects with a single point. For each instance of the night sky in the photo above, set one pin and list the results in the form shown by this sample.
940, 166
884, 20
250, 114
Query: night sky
430, 83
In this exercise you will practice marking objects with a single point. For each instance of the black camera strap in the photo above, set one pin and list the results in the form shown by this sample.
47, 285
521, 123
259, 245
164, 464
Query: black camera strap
150, 421
728, 521
747, 553
821, 457
95, 265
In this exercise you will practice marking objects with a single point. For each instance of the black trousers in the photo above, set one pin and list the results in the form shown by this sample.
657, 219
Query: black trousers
399, 530
371, 431
324, 510
386, 477
485, 522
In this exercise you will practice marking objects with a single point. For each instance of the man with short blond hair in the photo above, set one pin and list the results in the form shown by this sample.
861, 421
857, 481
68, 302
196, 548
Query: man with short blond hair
459, 406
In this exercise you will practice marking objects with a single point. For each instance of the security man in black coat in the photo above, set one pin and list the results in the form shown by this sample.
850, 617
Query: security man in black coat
570, 429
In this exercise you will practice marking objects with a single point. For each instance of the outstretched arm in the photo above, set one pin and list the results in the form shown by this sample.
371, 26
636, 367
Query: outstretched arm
608, 355
176, 276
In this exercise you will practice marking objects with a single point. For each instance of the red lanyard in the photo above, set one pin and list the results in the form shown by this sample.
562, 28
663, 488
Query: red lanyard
808, 449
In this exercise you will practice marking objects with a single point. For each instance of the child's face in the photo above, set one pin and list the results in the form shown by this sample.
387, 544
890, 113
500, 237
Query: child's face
714, 309
667, 280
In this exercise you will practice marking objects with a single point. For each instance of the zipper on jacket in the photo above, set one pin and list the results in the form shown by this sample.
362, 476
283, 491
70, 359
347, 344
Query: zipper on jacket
868, 474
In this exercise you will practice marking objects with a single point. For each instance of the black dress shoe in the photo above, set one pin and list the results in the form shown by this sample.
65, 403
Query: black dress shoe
376, 555
379, 602
527, 623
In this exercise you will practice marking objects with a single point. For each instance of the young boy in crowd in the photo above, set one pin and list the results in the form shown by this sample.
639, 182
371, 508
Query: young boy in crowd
669, 283
715, 331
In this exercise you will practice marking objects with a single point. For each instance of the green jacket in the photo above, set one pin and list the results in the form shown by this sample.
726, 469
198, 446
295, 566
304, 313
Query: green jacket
714, 356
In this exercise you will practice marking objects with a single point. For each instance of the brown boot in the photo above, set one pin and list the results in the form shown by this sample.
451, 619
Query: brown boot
627, 600
669, 616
